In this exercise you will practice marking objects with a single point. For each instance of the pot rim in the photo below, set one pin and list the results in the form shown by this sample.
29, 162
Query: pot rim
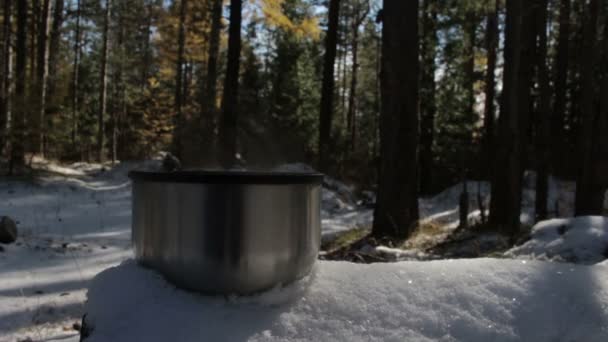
228, 177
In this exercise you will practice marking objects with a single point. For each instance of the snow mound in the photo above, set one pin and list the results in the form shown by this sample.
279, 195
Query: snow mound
579, 240
454, 300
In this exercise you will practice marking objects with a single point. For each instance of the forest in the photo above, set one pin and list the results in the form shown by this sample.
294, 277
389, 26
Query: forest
403, 98
303, 170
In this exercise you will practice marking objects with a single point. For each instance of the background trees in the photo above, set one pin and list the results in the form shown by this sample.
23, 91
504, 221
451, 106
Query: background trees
504, 86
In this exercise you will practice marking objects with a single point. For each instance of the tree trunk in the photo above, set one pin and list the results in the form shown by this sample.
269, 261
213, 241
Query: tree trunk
179, 75
469, 29
75, 80
5, 82
359, 17
208, 104
344, 78
120, 89
147, 55
490, 90
560, 71
54, 47
18, 130
589, 192
327, 87
34, 22
103, 89
229, 119
428, 107
396, 212
543, 115
505, 205
43, 71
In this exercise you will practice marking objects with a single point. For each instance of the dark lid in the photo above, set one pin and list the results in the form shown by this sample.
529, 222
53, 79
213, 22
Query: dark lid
228, 177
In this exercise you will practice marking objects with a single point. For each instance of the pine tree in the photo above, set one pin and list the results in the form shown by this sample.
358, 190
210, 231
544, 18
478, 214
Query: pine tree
542, 115
589, 190
17, 158
229, 120
5, 81
396, 212
327, 91
505, 205
103, 89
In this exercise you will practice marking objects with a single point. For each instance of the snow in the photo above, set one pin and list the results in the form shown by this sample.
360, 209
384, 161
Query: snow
578, 240
451, 300
74, 222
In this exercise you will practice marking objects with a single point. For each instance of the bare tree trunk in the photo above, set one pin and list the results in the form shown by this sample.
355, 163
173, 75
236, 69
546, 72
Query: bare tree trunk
147, 55
55, 39
18, 130
543, 116
34, 22
490, 90
327, 87
560, 70
344, 78
179, 80
209, 115
120, 89
5, 85
589, 193
428, 107
469, 28
359, 17
43, 71
104, 84
396, 212
75, 80
229, 120
505, 205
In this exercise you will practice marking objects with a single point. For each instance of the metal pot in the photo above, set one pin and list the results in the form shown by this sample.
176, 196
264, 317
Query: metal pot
227, 232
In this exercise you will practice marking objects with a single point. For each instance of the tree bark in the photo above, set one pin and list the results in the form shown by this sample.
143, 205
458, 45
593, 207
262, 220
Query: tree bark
327, 87
75, 80
229, 120
103, 89
54, 47
359, 17
543, 116
589, 192
428, 107
34, 22
396, 212
490, 89
5, 82
469, 27
558, 119
18, 130
208, 104
44, 28
179, 75
505, 205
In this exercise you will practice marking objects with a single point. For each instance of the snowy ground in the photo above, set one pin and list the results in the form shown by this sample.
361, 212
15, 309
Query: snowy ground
453, 300
75, 222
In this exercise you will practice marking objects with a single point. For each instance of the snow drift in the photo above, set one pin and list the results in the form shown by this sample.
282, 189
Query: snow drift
452, 300
581, 240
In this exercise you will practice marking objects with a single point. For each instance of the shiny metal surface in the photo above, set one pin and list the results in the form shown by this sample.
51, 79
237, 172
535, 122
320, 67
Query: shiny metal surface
226, 238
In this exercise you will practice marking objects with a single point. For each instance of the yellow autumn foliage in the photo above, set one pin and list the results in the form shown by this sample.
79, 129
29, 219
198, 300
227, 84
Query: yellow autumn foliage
274, 16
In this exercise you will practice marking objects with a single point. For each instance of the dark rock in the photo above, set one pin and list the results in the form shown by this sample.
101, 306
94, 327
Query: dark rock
8, 230
1, 249
171, 163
